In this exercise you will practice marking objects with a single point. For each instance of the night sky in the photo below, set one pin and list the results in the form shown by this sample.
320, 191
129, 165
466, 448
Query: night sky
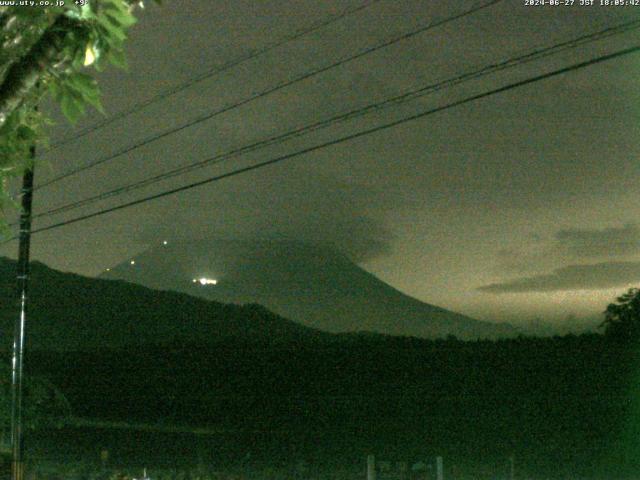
519, 205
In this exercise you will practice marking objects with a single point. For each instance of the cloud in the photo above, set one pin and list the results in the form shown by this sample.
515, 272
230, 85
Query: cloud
324, 211
573, 277
606, 242
361, 238
536, 254
518, 260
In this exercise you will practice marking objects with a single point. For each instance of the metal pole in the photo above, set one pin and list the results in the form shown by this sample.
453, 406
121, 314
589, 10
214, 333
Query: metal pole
371, 467
19, 326
439, 469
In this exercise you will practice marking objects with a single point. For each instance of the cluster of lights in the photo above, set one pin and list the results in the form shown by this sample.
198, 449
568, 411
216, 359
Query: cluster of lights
205, 281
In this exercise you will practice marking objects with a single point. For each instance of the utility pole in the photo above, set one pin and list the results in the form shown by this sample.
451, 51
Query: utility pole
439, 469
17, 443
371, 467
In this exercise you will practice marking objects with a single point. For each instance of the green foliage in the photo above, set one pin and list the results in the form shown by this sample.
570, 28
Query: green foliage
622, 319
106, 22
98, 38
22, 130
17, 135
95, 36
73, 92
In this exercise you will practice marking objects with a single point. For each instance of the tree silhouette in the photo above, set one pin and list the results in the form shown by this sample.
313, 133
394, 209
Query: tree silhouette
44, 404
622, 319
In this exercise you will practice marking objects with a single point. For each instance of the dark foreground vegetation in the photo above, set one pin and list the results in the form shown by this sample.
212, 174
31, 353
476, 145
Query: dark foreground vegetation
164, 380
558, 405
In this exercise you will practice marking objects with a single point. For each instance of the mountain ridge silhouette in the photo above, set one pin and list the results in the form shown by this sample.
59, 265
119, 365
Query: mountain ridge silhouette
72, 312
316, 286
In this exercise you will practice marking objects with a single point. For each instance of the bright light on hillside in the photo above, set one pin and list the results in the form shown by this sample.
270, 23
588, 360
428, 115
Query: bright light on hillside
205, 281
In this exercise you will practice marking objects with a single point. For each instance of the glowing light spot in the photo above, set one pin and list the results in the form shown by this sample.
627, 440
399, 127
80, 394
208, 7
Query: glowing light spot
205, 281
133, 262
89, 55
108, 269
165, 242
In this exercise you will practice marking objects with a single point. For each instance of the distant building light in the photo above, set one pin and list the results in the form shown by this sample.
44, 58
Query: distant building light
205, 281
133, 262
108, 269
165, 242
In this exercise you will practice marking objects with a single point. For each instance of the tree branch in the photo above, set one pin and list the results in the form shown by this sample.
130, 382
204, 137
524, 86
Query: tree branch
18, 34
46, 54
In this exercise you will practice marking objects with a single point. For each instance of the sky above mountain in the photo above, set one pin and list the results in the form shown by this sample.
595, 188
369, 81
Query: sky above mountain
520, 205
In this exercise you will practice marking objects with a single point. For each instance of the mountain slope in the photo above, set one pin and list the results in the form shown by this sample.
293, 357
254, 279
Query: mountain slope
315, 286
68, 311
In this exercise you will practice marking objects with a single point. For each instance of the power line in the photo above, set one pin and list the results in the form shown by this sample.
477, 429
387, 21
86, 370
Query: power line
343, 139
535, 55
269, 91
250, 55
409, 95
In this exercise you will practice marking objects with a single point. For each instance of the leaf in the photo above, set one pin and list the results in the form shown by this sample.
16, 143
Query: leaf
97, 104
94, 101
11, 123
112, 20
83, 83
71, 107
26, 134
118, 58
120, 13
110, 31
85, 89
55, 90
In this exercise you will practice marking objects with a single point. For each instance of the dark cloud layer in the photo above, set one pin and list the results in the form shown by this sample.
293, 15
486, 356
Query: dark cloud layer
327, 212
606, 242
573, 277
